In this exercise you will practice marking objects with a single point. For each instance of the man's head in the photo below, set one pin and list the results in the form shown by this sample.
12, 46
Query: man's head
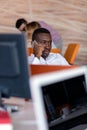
21, 24
43, 37
30, 27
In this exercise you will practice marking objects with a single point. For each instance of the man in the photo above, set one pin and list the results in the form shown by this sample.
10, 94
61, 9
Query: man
56, 37
41, 43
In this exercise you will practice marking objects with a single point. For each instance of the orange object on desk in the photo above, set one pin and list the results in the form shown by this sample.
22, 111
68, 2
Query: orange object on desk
38, 69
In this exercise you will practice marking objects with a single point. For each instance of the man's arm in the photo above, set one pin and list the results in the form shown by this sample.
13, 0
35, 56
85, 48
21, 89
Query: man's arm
37, 49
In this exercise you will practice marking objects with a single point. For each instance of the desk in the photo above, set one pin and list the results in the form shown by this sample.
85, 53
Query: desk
24, 119
40, 69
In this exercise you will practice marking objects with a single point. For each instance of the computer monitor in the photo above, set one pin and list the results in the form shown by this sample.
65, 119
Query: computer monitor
14, 72
51, 92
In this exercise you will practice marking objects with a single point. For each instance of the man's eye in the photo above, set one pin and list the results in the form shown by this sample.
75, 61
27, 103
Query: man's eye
44, 42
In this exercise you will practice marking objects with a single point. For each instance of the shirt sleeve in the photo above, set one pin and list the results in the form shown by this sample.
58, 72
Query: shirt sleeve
34, 60
64, 61
56, 59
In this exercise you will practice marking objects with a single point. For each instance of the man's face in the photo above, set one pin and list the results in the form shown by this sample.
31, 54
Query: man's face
45, 40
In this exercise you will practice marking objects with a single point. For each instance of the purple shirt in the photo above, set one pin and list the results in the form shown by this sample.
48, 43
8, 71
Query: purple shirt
55, 35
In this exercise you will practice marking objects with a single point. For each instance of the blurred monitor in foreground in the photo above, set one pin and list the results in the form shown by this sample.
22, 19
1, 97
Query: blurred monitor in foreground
14, 73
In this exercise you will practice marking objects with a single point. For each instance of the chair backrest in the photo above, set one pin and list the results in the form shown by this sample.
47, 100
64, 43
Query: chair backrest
71, 52
29, 51
54, 50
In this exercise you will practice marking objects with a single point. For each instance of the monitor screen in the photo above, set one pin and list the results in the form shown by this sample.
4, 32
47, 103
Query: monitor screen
67, 94
56, 93
70, 92
14, 73
76, 90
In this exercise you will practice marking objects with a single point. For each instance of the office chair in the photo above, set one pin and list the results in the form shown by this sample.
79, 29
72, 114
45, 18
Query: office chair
71, 52
29, 51
55, 50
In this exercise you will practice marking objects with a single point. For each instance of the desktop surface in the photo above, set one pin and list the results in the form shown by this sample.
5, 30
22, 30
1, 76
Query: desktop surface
24, 119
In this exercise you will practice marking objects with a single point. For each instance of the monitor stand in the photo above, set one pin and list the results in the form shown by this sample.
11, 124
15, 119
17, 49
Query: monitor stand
7, 107
11, 108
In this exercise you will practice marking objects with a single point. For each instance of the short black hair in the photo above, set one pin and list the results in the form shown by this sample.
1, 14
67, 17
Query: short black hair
20, 21
37, 31
33, 24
